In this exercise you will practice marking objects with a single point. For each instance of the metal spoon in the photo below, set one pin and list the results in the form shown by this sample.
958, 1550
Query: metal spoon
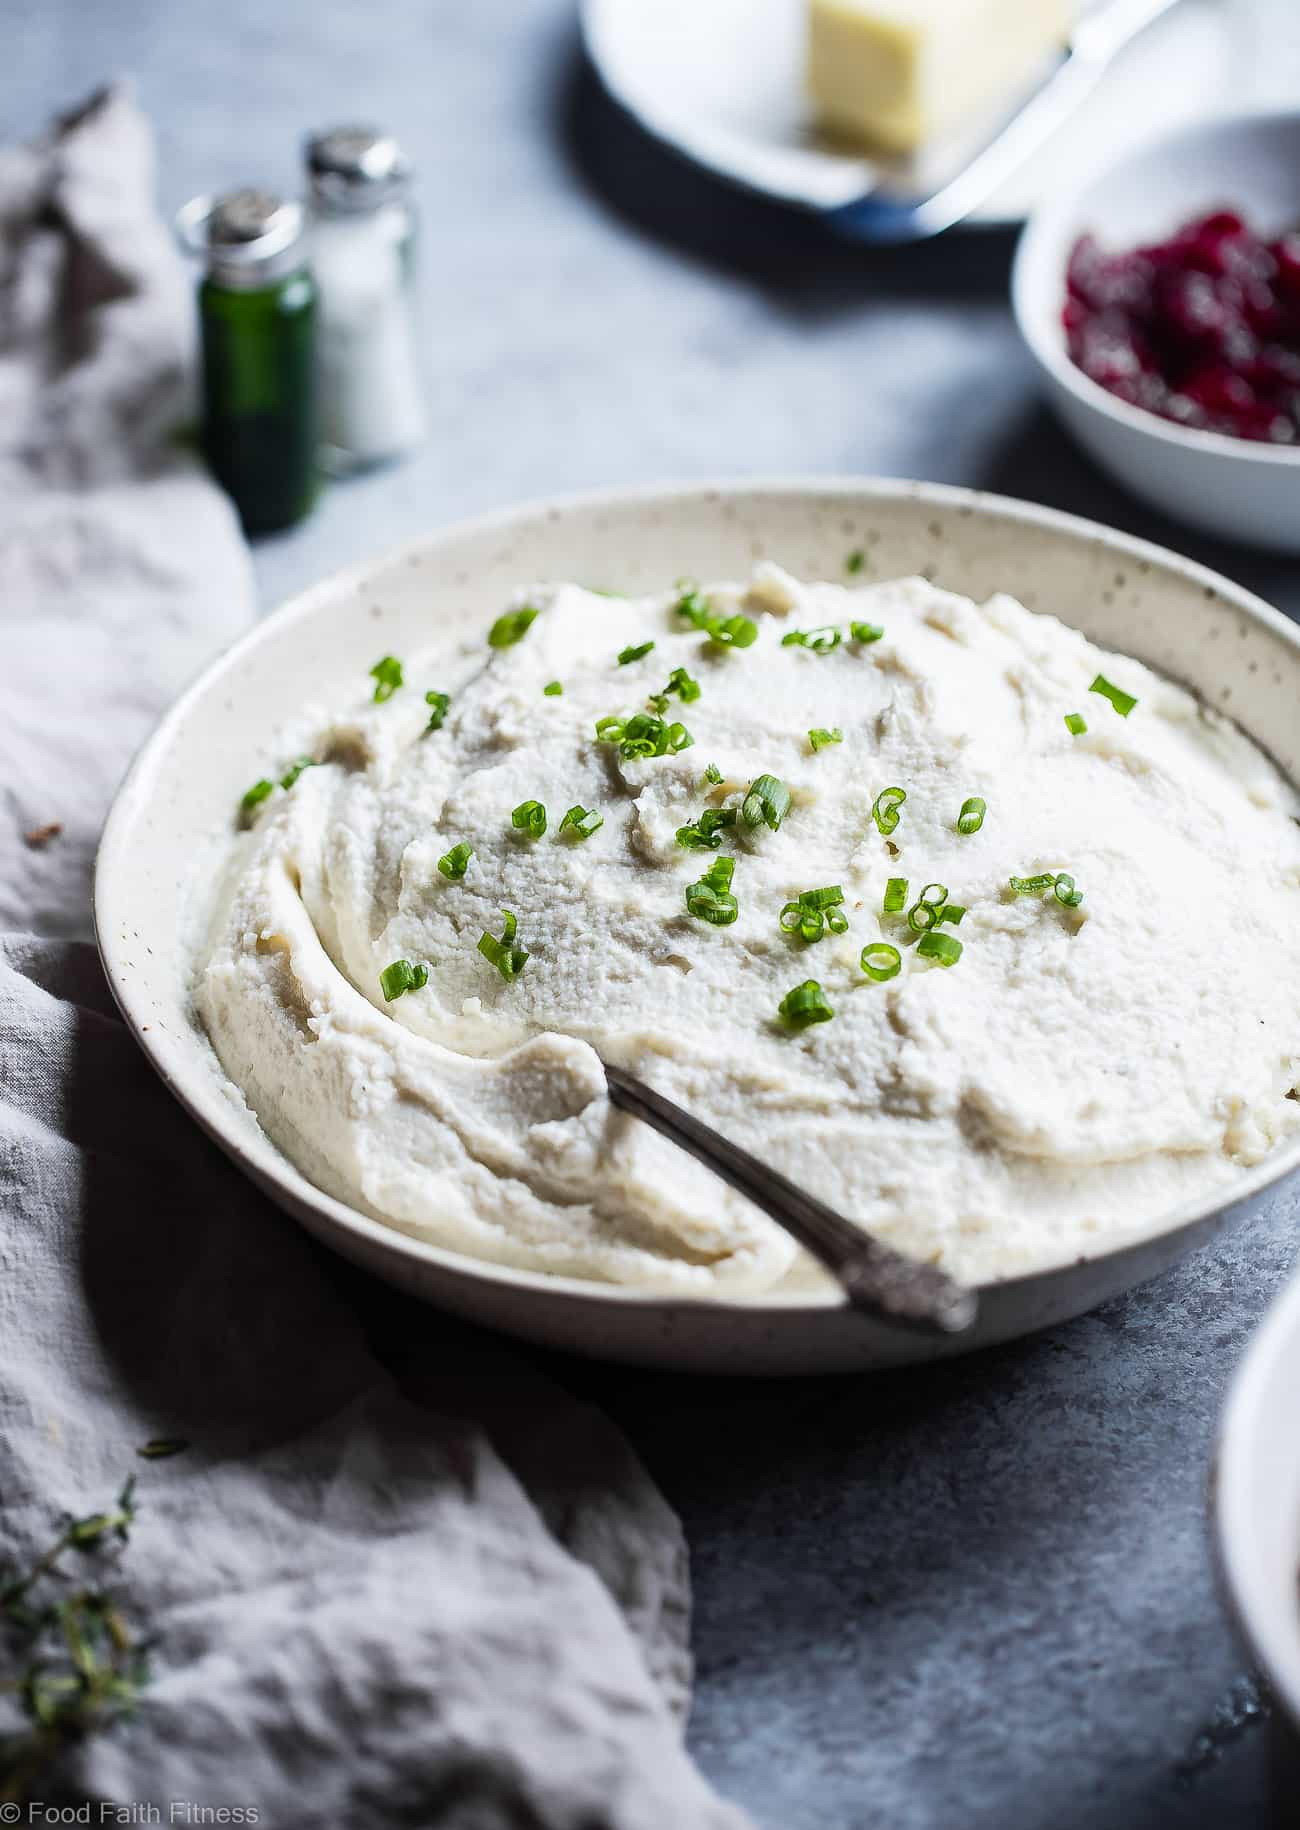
877, 1280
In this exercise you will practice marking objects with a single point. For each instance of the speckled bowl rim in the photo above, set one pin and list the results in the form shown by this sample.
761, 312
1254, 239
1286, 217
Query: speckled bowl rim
1041, 331
1198, 1217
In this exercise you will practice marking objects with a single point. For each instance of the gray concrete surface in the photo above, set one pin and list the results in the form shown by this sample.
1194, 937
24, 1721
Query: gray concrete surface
981, 1595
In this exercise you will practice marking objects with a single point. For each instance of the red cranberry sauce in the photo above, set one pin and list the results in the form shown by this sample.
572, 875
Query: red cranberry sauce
1203, 329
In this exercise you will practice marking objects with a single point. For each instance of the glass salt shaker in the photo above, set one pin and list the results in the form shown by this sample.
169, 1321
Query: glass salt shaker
363, 254
257, 321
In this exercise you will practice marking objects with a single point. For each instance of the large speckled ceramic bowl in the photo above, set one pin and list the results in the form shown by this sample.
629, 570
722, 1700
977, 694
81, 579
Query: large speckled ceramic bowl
1233, 650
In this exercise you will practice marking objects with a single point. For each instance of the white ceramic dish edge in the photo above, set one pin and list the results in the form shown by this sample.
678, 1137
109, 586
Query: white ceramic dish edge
1256, 1498
780, 1333
1230, 487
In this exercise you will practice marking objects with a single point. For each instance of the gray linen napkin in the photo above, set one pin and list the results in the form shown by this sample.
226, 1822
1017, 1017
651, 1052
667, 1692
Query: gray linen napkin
423, 1587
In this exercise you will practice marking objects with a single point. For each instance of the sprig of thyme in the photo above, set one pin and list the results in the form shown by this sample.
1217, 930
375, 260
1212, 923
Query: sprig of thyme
78, 1666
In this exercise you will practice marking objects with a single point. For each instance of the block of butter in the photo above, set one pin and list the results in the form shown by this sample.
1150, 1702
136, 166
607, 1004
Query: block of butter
898, 73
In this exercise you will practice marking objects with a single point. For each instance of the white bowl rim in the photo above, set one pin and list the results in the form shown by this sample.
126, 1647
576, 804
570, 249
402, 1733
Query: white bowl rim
227, 1131
1268, 1622
1050, 352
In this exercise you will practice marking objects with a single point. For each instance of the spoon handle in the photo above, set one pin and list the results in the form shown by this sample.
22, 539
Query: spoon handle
877, 1280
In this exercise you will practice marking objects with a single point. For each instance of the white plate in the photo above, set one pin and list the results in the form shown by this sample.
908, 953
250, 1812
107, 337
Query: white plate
1256, 1491
722, 81
186, 782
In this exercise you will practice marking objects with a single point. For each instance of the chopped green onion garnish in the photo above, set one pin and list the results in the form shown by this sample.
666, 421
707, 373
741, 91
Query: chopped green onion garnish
634, 653
895, 895
1030, 886
768, 800
820, 737
855, 560
1066, 894
257, 793
880, 961
806, 1004
529, 817
438, 704
1122, 701
693, 605
455, 862
553, 689
387, 676
925, 912
581, 822
1075, 723
814, 913
705, 834
942, 947
971, 817
402, 976
865, 632
295, 769
821, 641
885, 808
712, 775
681, 683
512, 627
732, 631
508, 959
711, 899
728, 632
953, 912
643, 735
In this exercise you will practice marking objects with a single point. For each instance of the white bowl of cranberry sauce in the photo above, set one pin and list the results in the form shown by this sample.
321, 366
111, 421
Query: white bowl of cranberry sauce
1162, 301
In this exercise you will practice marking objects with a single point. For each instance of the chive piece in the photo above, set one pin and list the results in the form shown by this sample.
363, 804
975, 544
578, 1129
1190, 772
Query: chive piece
295, 769
455, 863
837, 921
865, 632
253, 796
733, 631
821, 641
941, 947
705, 834
790, 917
768, 800
885, 808
805, 1004
402, 976
712, 774
971, 817
634, 653
681, 683
1065, 892
438, 704
880, 961
815, 912
553, 689
822, 899
895, 895
581, 822
160, 1448
529, 817
820, 737
1030, 886
1122, 701
953, 912
693, 604
926, 911
711, 899
512, 627
508, 958
855, 561
643, 735
1075, 723
387, 676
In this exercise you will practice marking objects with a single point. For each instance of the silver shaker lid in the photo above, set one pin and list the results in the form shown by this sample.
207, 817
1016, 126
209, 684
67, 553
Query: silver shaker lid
248, 237
355, 168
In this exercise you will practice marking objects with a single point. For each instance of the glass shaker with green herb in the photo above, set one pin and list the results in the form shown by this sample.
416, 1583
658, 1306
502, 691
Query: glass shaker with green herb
257, 320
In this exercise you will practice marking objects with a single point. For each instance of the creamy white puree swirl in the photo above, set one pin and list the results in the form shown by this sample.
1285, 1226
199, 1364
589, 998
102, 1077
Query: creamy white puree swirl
1076, 1074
